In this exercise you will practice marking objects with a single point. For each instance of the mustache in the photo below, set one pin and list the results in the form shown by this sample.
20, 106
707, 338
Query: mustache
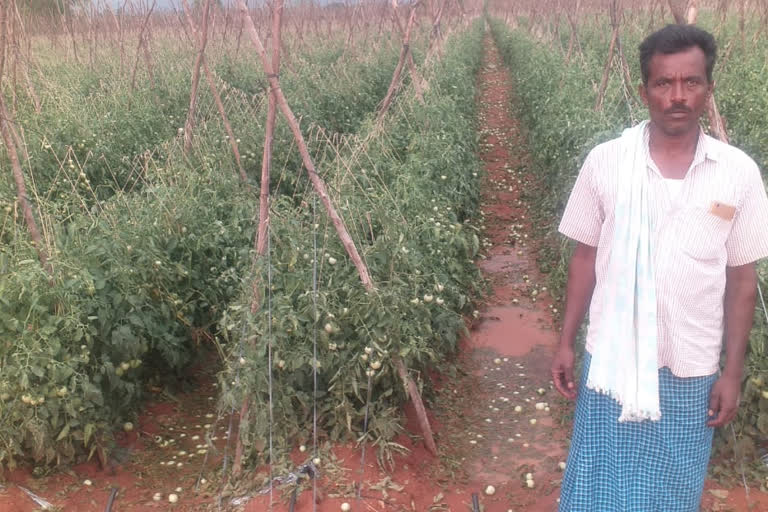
678, 109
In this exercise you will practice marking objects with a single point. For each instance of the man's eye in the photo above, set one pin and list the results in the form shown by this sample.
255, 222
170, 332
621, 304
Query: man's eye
692, 82
662, 83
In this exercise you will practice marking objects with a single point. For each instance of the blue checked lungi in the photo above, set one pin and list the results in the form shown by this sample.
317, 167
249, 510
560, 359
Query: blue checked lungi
639, 466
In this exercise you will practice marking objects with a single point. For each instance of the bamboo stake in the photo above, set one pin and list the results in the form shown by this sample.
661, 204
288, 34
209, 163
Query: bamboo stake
266, 162
25, 62
317, 181
742, 22
10, 145
119, 32
216, 95
574, 32
692, 12
266, 166
678, 10
418, 81
716, 121
607, 66
138, 47
144, 41
394, 84
320, 188
412, 390
70, 29
189, 125
436, 33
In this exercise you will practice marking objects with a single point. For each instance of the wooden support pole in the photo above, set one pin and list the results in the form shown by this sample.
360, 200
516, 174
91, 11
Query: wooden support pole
678, 10
321, 189
315, 179
416, 78
264, 217
139, 47
395, 83
607, 67
189, 124
412, 391
10, 146
215, 92
24, 63
716, 121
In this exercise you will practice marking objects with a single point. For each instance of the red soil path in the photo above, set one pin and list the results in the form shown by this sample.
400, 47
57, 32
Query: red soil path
482, 438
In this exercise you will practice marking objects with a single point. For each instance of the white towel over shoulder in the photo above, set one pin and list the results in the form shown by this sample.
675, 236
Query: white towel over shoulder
625, 359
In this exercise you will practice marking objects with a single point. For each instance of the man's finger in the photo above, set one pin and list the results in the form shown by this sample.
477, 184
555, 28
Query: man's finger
724, 417
569, 379
563, 379
558, 379
719, 412
714, 403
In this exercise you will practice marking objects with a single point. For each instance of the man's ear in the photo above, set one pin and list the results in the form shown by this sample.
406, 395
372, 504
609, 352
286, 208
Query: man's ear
641, 90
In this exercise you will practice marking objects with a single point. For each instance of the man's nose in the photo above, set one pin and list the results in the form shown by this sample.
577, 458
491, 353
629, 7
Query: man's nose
678, 92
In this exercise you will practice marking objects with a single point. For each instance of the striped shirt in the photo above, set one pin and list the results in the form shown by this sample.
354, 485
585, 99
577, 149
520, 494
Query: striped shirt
718, 218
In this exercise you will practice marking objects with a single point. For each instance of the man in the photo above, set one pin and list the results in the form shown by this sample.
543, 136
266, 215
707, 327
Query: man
668, 223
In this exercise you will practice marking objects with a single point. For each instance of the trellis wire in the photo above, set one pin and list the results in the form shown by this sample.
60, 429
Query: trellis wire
762, 302
314, 345
269, 357
225, 460
364, 438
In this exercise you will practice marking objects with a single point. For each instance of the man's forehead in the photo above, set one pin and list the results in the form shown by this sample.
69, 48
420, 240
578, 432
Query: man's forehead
688, 60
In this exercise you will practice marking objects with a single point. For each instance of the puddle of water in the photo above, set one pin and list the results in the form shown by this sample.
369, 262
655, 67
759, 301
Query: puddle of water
512, 331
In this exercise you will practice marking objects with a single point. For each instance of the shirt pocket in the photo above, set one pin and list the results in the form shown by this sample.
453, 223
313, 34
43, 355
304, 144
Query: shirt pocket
702, 234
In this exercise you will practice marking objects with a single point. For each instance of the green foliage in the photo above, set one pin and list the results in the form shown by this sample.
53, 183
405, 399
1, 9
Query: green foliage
149, 245
131, 288
152, 247
96, 138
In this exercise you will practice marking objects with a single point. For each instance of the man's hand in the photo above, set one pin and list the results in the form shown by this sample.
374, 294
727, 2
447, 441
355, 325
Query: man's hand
723, 401
562, 371
581, 283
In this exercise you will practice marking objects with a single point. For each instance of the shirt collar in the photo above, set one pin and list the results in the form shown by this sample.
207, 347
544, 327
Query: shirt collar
705, 147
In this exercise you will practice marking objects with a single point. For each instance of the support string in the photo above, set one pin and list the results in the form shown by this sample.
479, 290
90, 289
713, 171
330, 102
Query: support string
364, 438
269, 357
314, 344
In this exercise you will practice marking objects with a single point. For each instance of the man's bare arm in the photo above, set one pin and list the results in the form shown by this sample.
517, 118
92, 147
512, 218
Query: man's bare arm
581, 284
739, 309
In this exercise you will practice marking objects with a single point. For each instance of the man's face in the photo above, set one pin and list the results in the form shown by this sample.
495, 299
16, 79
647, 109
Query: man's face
677, 91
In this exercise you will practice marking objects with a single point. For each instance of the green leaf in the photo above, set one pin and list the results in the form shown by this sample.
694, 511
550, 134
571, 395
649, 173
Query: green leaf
63, 433
762, 423
88, 432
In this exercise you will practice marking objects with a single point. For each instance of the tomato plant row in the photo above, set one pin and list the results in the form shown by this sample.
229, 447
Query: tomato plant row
407, 188
149, 246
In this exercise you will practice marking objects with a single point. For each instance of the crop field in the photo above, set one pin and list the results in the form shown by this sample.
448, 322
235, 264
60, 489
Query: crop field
304, 256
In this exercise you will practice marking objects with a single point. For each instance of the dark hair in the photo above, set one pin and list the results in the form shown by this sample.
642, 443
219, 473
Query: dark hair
676, 38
